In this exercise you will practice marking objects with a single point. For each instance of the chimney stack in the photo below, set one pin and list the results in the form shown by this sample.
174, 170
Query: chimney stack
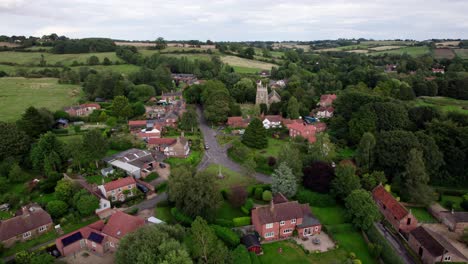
272, 206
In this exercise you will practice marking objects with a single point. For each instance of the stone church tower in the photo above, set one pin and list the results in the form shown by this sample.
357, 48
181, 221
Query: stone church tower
262, 94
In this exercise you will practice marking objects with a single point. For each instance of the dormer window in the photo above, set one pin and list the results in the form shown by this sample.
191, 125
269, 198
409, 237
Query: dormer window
268, 226
293, 220
282, 223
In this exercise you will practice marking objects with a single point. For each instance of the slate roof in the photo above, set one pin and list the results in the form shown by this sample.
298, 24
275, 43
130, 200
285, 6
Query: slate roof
33, 217
309, 219
250, 240
434, 243
393, 206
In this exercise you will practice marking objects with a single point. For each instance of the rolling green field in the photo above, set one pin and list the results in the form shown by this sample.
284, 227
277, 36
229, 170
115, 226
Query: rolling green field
34, 58
462, 53
17, 94
413, 51
241, 62
444, 104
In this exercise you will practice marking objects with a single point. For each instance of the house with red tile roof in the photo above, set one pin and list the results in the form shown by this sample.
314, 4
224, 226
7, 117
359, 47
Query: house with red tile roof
394, 212
238, 121
30, 222
159, 144
281, 217
82, 110
327, 100
119, 189
99, 237
304, 130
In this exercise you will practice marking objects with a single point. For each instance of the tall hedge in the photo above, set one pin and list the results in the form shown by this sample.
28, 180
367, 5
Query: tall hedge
242, 221
226, 235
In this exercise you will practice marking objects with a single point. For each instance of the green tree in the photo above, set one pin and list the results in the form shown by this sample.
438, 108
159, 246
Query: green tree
48, 154
23, 257
416, 180
35, 122
42, 258
64, 190
106, 61
370, 180
255, 135
141, 92
322, 150
94, 146
154, 244
93, 60
57, 208
291, 155
345, 181
365, 152
16, 174
121, 107
189, 120
284, 181
75, 149
244, 91
361, 209
160, 43
138, 109
240, 255
248, 53
293, 108
194, 194
362, 121
206, 247
15, 142
85, 203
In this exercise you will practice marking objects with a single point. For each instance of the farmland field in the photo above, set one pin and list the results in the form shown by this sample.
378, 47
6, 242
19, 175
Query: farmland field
444, 54
17, 94
445, 104
413, 51
241, 62
462, 53
380, 48
33, 58
387, 42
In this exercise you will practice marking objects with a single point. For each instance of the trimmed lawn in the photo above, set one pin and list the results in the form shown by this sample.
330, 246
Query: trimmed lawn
193, 159
68, 139
352, 241
231, 178
274, 147
422, 215
456, 200
292, 253
17, 94
44, 198
346, 153
164, 213
330, 215
241, 69
97, 179
227, 211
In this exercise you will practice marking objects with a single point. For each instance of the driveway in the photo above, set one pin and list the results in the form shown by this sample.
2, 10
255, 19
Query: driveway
217, 154
150, 203
395, 243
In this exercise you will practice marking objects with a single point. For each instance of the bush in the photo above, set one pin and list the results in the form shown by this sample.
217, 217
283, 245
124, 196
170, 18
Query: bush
224, 194
267, 196
315, 199
57, 208
241, 221
258, 193
60, 131
226, 235
271, 161
180, 217
224, 222
134, 211
249, 204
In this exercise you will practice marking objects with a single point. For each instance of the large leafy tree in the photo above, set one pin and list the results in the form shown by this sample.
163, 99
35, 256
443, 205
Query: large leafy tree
85, 202
154, 244
293, 108
121, 107
255, 135
345, 181
57, 208
64, 190
365, 152
94, 145
322, 150
189, 120
416, 188
318, 176
48, 153
194, 194
361, 209
15, 142
244, 91
291, 156
205, 245
284, 181
35, 122
370, 180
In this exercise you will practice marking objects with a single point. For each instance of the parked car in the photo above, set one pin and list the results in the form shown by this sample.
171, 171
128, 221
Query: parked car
207, 147
162, 165
142, 188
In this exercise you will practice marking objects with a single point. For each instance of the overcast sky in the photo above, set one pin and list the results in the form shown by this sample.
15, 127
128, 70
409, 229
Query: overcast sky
236, 19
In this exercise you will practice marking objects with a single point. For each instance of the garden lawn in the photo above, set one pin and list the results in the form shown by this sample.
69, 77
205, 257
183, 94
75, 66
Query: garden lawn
121, 68
235, 61
352, 241
164, 213
241, 69
97, 179
456, 200
422, 215
69, 138
444, 104
330, 215
292, 253
227, 211
17, 94
193, 159
231, 178
273, 149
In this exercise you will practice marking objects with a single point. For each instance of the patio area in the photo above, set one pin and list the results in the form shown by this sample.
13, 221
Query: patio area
85, 257
322, 243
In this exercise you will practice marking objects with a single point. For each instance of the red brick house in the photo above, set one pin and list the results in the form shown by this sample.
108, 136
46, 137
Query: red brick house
395, 213
99, 237
238, 121
82, 110
115, 190
179, 149
433, 248
303, 130
136, 125
29, 222
327, 100
281, 217
159, 144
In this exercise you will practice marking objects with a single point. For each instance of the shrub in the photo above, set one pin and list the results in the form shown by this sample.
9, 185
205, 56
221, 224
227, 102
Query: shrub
237, 196
134, 211
180, 217
57, 208
449, 204
271, 161
249, 204
226, 235
267, 196
258, 193
315, 199
224, 222
241, 221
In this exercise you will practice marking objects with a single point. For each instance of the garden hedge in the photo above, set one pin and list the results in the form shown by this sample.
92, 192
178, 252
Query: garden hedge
224, 222
241, 221
226, 235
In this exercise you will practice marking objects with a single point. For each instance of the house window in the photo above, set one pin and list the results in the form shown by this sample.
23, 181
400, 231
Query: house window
282, 223
112, 244
269, 234
42, 228
114, 199
408, 222
129, 186
27, 234
316, 229
119, 190
293, 221
113, 191
268, 226
447, 258
287, 231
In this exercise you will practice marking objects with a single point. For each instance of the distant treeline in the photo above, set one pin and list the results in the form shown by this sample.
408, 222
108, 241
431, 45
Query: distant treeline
83, 45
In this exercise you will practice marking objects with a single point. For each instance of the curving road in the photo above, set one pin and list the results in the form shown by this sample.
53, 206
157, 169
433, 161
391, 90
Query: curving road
217, 154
